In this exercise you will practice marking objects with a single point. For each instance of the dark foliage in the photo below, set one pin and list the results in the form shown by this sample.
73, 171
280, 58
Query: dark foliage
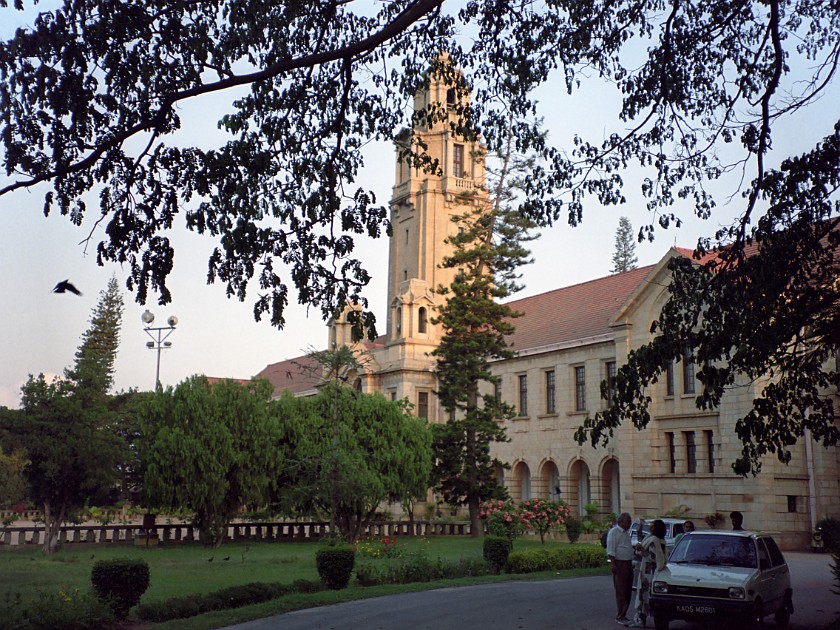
335, 566
120, 583
496, 551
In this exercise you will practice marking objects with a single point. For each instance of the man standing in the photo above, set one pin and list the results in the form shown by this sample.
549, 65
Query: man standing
620, 554
737, 521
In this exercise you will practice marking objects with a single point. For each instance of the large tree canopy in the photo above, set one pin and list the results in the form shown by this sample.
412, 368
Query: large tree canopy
90, 99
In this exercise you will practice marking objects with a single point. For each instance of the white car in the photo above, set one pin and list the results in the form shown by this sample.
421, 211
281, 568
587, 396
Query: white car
723, 574
673, 528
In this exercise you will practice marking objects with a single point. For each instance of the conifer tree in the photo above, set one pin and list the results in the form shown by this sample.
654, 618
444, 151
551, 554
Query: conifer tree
624, 258
488, 249
65, 426
93, 370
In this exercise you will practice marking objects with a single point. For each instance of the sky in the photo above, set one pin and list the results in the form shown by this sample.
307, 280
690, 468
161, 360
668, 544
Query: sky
40, 331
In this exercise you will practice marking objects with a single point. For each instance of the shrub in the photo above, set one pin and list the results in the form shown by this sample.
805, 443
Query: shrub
242, 595
502, 519
573, 527
120, 583
555, 559
68, 610
830, 528
307, 586
173, 608
229, 597
542, 515
496, 552
416, 567
335, 566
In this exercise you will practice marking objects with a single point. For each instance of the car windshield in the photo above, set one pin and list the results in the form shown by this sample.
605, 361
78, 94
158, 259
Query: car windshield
722, 551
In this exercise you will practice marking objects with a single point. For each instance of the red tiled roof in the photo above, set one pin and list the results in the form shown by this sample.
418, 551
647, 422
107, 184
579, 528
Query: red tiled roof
296, 375
575, 312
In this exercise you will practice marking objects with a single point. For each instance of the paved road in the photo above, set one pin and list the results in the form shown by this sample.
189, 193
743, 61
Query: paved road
574, 604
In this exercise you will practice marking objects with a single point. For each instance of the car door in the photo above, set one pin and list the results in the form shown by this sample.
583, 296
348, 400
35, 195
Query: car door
773, 578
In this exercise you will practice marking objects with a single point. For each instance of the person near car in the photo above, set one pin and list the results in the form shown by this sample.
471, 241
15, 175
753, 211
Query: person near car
688, 527
653, 559
737, 521
620, 554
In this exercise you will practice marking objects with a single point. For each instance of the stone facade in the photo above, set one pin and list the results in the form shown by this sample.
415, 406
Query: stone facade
567, 343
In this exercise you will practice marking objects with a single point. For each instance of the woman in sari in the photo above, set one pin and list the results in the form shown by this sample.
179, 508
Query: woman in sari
653, 559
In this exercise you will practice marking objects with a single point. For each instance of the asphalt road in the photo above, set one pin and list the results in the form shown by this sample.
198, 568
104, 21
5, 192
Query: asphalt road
575, 604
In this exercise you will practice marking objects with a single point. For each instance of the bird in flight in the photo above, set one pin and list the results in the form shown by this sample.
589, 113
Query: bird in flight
64, 287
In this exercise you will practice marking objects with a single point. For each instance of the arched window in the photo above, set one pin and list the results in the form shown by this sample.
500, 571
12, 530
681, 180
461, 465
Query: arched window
398, 320
423, 320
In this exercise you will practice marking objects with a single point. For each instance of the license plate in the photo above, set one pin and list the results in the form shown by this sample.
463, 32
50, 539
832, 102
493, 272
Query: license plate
692, 609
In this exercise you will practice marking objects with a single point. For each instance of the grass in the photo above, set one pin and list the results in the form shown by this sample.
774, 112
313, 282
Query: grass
186, 569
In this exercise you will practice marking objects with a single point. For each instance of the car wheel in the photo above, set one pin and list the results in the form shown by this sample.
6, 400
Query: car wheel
660, 621
758, 614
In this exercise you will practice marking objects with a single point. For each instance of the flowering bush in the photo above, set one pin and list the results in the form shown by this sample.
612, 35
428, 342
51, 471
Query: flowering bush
502, 519
541, 515
377, 548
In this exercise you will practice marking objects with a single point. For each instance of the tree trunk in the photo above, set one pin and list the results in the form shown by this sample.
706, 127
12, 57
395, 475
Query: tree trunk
52, 528
473, 503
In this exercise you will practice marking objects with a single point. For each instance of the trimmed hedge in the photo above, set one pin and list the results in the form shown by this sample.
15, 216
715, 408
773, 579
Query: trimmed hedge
555, 559
230, 597
120, 583
496, 552
335, 565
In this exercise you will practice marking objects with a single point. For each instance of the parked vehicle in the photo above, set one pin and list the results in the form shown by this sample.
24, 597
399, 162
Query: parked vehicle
723, 574
673, 528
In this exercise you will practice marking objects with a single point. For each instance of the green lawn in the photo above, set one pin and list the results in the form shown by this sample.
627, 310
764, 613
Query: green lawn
185, 569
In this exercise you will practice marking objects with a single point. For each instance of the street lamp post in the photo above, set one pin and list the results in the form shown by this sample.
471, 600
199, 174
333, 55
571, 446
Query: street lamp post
159, 337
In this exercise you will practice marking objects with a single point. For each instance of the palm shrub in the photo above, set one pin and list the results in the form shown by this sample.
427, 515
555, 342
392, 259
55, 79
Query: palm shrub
120, 583
335, 565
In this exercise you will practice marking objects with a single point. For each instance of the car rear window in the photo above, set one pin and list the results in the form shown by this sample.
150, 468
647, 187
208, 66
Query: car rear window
715, 551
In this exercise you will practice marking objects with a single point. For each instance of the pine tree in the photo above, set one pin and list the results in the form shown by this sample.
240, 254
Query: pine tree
624, 258
93, 370
487, 253
66, 426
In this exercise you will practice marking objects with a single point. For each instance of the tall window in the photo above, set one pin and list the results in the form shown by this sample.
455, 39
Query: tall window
610, 382
523, 394
549, 392
669, 379
423, 320
497, 390
580, 388
690, 452
458, 160
688, 373
672, 459
710, 450
423, 404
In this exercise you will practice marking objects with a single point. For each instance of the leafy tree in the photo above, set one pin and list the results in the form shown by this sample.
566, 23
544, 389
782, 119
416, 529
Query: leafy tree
487, 251
71, 456
210, 448
90, 99
624, 258
12, 465
381, 452
65, 426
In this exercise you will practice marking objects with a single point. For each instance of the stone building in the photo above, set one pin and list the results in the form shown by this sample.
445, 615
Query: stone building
568, 341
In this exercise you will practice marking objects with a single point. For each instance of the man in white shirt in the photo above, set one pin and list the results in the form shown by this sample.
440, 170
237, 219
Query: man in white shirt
620, 553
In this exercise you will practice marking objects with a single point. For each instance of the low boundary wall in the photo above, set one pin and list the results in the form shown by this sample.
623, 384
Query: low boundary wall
184, 532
